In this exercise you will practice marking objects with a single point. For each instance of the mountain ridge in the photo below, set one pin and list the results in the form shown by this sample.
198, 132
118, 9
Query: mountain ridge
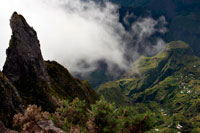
173, 86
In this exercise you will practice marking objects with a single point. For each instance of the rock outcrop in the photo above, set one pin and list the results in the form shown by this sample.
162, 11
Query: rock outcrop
10, 101
24, 65
48, 127
38, 82
24, 58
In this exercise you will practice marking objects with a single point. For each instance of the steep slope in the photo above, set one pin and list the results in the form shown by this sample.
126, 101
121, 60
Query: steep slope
186, 27
114, 91
183, 23
168, 81
10, 101
65, 86
36, 81
24, 64
147, 71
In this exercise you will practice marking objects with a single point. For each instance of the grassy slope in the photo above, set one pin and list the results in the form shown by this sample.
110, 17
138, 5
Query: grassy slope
168, 81
65, 86
62, 85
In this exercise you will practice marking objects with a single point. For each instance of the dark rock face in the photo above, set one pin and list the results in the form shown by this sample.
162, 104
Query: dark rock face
10, 101
24, 57
27, 71
24, 65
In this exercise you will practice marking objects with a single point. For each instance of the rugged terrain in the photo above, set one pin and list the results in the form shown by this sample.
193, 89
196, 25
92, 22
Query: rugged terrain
28, 79
182, 17
167, 83
183, 23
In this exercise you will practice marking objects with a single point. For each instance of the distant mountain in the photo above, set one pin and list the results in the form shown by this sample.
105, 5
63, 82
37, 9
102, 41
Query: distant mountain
183, 17
168, 81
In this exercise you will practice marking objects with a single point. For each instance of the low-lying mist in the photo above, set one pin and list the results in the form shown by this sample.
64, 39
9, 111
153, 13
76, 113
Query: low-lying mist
78, 34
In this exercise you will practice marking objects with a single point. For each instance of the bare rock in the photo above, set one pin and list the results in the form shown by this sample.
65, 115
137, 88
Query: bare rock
10, 101
43, 126
49, 127
24, 57
24, 65
39, 82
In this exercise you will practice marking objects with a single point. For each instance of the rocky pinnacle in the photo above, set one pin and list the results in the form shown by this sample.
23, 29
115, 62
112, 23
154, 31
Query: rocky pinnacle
24, 65
24, 56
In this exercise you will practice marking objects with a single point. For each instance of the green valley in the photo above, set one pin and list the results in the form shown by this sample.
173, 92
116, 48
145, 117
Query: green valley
167, 84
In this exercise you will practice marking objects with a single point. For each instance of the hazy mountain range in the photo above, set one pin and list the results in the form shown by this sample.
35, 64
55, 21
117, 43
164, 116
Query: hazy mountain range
181, 23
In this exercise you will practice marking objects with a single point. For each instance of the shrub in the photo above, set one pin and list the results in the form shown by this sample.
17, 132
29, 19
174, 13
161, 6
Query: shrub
104, 116
28, 120
74, 117
70, 115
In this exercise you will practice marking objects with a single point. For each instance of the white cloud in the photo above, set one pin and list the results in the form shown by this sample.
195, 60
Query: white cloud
142, 31
69, 30
73, 31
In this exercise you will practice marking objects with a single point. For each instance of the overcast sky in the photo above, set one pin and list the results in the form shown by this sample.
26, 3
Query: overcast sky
71, 31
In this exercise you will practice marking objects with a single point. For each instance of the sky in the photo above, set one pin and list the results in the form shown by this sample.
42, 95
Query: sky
73, 31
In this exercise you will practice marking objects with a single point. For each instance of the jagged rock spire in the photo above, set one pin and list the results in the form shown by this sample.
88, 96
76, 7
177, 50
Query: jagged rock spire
27, 71
24, 56
25, 66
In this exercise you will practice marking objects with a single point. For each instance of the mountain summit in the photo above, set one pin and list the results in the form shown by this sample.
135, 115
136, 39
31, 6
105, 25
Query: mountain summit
24, 65
39, 82
24, 58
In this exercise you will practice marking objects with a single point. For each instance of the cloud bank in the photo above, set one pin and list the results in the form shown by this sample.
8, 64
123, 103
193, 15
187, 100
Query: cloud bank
78, 34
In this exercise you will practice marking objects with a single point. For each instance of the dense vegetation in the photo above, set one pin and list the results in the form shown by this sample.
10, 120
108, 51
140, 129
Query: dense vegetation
102, 117
167, 84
